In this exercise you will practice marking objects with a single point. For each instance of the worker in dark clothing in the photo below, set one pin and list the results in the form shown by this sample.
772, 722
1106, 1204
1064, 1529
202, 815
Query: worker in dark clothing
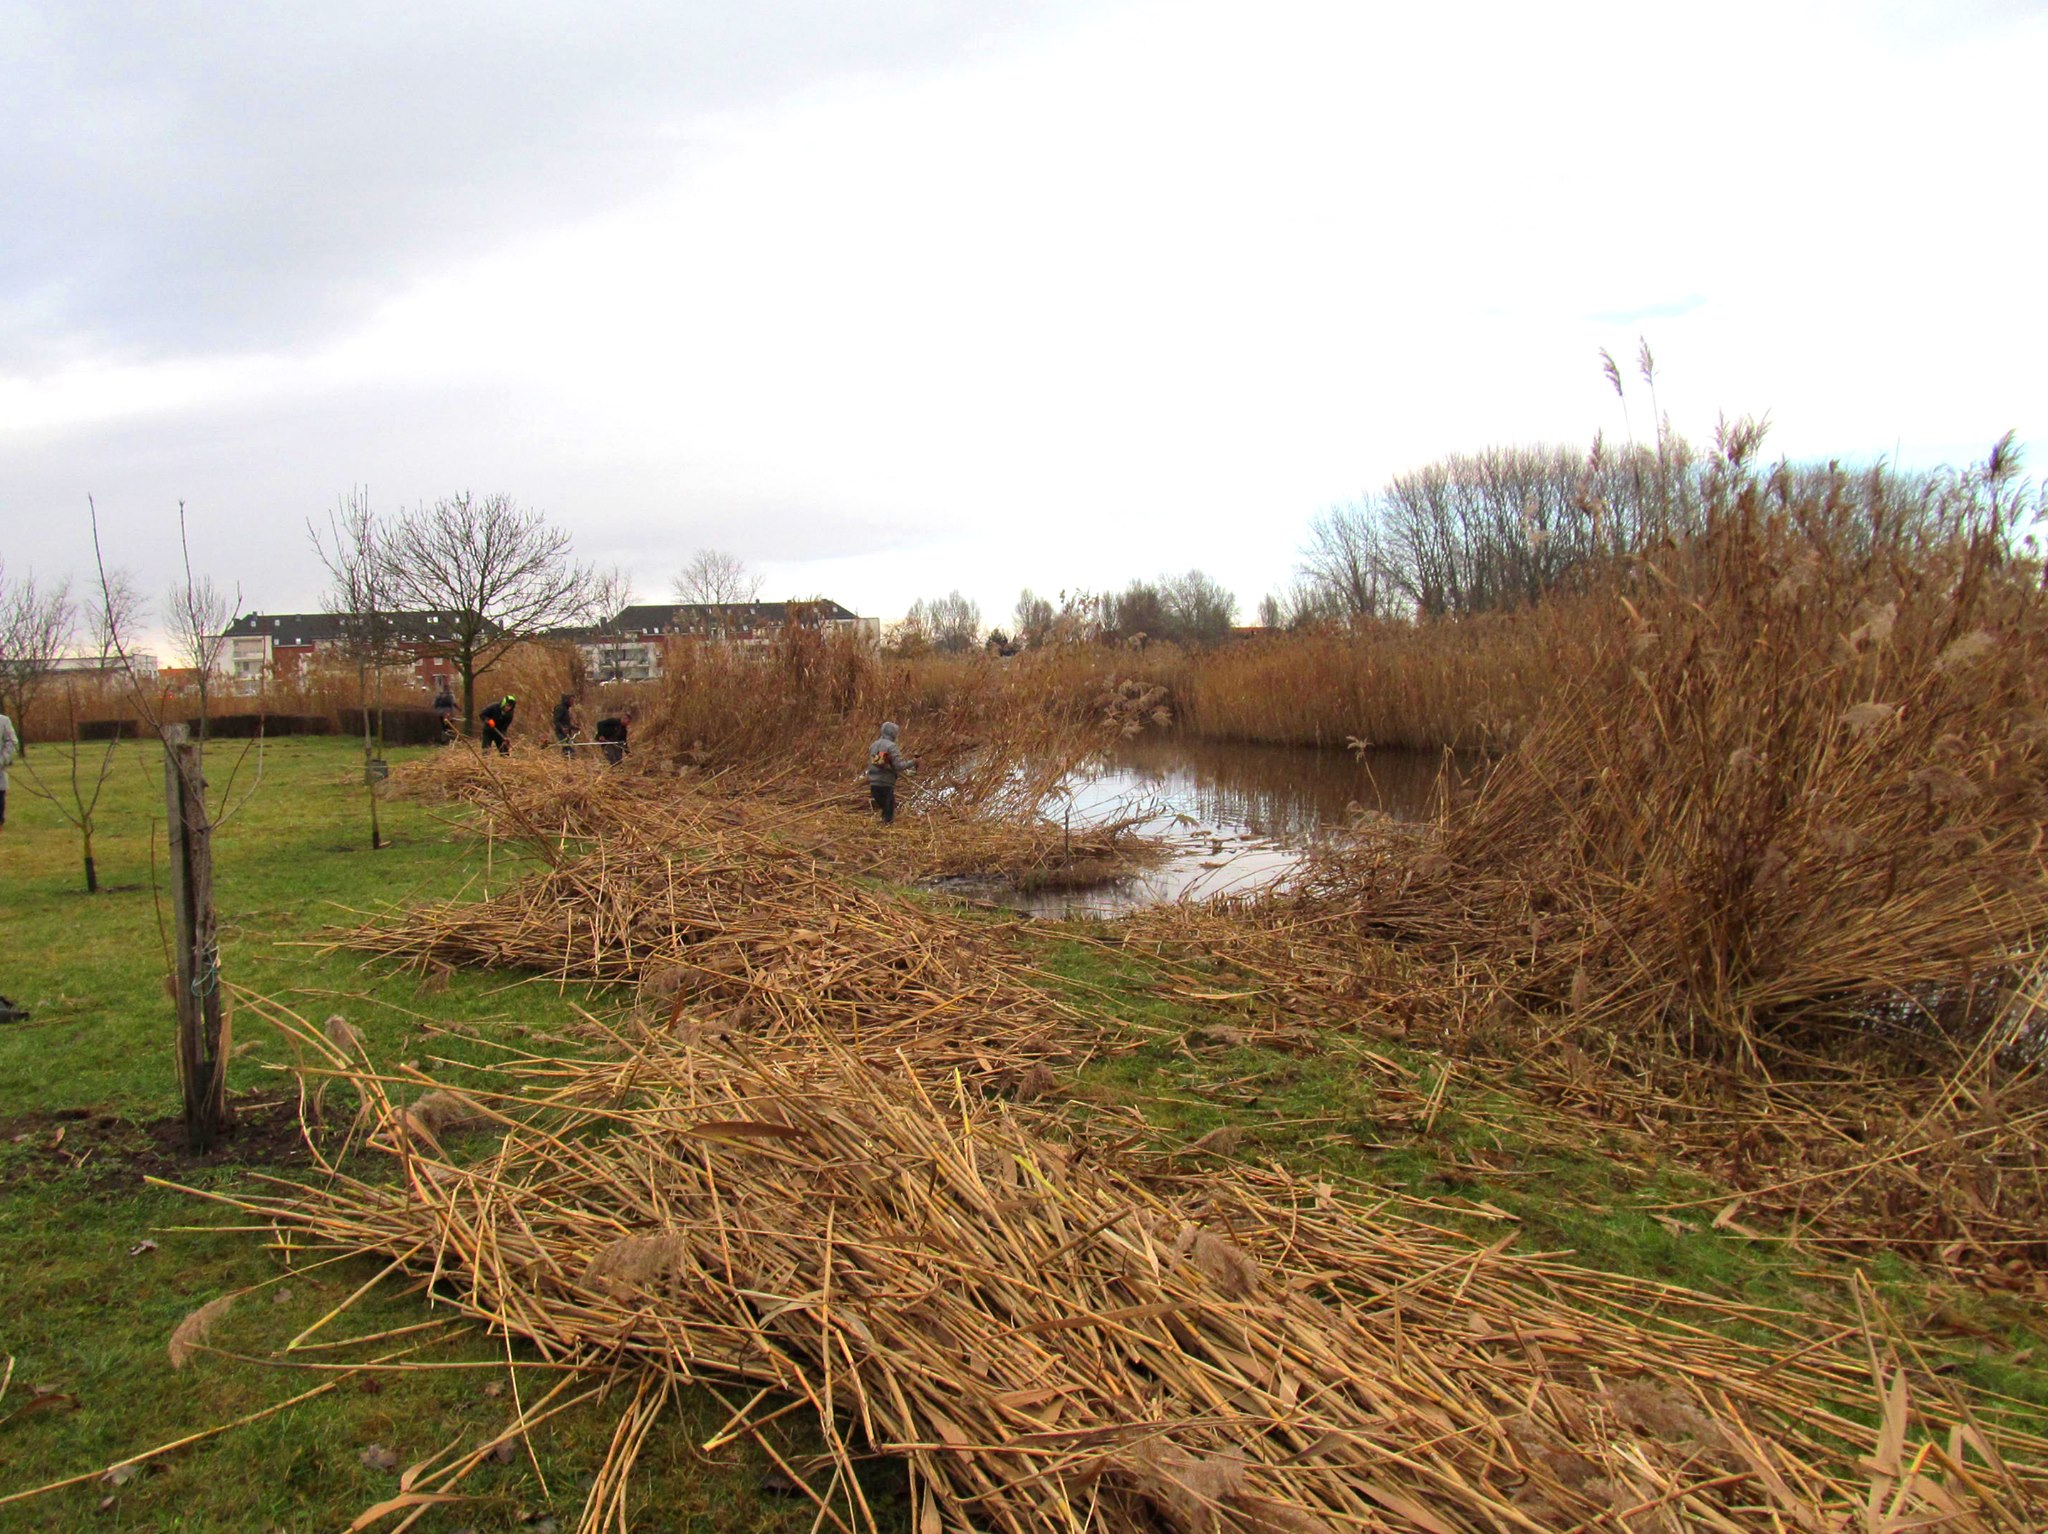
497, 721
885, 763
611, 735
444, 713
565, 723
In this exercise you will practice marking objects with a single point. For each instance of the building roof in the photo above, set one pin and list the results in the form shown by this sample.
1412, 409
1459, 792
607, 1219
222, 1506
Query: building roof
696, 617
293, 629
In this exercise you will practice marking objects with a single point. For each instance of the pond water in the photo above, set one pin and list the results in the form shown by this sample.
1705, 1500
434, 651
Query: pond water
1238, 817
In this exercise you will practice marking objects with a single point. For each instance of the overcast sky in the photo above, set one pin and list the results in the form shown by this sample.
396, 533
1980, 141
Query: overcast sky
894, 296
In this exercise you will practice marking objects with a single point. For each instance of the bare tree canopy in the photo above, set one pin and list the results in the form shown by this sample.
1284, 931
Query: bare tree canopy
1189, 609
1034, 618
1199, 610
357, 581
716, 578
37, 624
197, 612
1345, 565
611, 593
950, 623
118, 611
498, 570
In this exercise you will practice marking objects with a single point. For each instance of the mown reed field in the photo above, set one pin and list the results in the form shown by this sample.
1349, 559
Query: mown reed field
1051, 1341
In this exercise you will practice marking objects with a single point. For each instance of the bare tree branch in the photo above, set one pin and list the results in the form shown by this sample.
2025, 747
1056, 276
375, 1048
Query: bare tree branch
37, 625
716, 578
497, 570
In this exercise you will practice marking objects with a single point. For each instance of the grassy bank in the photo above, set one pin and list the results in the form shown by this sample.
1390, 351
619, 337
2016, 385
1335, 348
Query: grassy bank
101, 1266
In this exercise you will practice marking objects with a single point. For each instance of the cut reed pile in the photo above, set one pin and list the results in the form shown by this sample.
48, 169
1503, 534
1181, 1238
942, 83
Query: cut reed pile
1944, 1166
736, 912
1052, 1344
964, 814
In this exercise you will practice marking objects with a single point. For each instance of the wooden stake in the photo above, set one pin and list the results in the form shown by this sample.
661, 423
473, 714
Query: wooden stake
202, 1042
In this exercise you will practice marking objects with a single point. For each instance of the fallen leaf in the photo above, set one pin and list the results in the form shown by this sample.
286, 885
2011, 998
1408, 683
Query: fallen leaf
503, 1452
141, 1248
742, 1129
377, 1457
495, 1389
41, 1398
120, 1475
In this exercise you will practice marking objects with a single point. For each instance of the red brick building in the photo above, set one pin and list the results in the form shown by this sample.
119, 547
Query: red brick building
260, 646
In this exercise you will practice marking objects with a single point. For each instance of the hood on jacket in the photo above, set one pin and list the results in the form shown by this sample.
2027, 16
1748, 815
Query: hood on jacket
889, 732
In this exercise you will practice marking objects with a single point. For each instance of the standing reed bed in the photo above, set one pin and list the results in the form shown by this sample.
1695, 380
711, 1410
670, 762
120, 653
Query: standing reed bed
1765, 875
1465, 684
1800, 794
993, 735
1050, 1343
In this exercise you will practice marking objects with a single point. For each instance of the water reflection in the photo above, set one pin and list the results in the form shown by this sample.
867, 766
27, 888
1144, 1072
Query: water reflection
1238, 816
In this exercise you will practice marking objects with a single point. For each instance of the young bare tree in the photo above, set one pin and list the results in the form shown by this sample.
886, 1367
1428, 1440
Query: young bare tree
197, 613
611, 593
198, 624
356, 595
36, 626
79, 804
119, 605
497, 569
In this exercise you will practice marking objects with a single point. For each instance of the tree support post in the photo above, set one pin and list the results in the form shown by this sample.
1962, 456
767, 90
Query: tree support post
202, 1032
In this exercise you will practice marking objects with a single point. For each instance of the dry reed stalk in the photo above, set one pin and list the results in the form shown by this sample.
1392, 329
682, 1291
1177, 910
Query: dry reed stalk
1944, 1163
1052, 1343
723, 937
1784, 829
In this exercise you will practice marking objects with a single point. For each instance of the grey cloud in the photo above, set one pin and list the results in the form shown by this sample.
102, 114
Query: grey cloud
207, 177
252, 474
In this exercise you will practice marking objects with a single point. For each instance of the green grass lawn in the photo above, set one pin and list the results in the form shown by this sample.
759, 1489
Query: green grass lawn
99, 1266
1476, 1156
88, 1103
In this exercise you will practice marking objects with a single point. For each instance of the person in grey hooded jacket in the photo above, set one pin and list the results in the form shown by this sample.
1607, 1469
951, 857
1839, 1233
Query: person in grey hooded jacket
885, 762
10, 743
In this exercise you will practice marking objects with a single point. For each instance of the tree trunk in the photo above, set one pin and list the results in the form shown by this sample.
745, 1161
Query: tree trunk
467, 663
369, 754
202, 1031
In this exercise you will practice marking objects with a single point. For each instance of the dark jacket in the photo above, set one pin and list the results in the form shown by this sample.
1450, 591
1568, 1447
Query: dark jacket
498, 715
